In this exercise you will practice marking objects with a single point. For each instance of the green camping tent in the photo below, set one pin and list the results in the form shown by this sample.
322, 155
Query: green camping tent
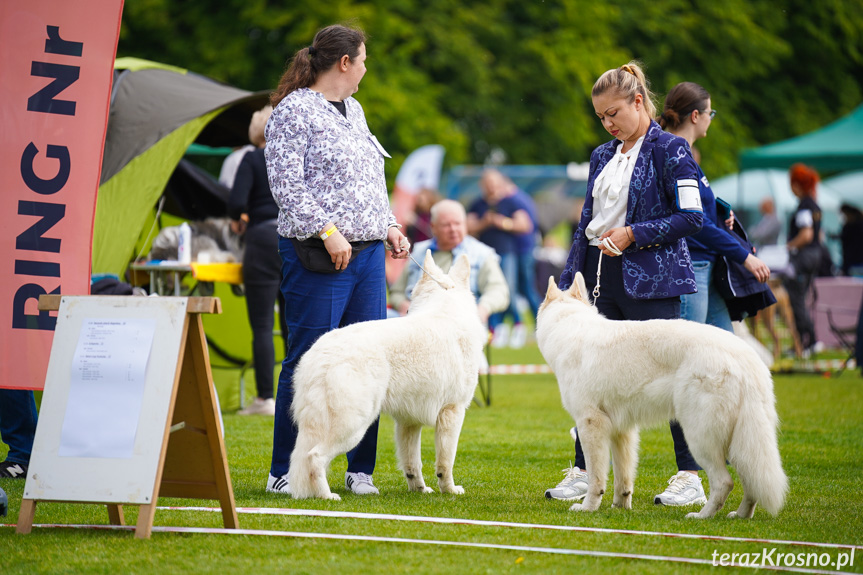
156, 112
836, 147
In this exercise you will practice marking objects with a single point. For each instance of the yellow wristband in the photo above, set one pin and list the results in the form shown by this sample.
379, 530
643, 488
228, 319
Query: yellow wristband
328, 233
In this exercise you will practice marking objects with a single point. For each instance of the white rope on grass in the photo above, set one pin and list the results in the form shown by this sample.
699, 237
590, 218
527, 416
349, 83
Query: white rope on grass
479, 522
378, 539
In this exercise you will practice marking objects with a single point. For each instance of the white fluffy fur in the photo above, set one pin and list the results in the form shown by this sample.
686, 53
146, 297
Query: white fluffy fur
421, 369
615, 376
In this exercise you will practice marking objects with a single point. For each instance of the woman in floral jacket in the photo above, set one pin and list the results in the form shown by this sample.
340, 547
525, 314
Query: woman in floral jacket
326, 173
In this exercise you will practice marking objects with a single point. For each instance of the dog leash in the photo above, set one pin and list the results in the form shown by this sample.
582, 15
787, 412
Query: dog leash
609, 245
389, 247
425, 272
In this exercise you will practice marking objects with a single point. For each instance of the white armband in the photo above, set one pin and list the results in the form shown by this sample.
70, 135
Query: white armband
689, 196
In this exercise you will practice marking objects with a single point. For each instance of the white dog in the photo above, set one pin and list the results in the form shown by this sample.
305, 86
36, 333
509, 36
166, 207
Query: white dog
617, 375
422, 369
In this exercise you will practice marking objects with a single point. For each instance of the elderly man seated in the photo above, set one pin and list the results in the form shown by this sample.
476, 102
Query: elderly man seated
449, 228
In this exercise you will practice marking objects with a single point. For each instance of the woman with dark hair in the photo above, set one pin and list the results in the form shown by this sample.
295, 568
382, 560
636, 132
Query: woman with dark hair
804, 250
642, 201
326, 173
688, 114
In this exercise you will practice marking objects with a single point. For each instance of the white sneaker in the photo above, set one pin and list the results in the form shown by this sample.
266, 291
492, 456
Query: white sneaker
360, 483
683, 489
518, 336
279, 484
501, 336
572, 488
260, 407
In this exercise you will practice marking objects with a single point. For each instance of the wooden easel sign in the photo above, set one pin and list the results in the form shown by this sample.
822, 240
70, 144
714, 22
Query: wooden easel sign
129, 411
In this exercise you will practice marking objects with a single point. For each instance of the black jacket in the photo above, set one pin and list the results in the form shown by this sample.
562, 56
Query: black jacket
743, 294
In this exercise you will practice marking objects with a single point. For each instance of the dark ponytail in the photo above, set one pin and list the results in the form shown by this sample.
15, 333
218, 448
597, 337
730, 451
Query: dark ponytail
328, 47
680, 102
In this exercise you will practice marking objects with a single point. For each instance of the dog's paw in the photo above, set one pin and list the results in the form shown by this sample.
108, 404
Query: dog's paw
695, 515
426, 489
733, 515
578, 507
332, 497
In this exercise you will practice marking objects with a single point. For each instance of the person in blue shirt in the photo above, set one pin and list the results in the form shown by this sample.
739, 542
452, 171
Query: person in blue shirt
498, 219
642, 201
688, 114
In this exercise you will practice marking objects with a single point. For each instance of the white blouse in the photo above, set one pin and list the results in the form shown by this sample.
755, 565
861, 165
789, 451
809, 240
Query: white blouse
611, 193
323, 167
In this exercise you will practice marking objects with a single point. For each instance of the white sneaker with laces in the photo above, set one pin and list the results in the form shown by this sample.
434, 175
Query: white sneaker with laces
501, 336
260, 407
278, 484
572, 488
683, 489
360, 483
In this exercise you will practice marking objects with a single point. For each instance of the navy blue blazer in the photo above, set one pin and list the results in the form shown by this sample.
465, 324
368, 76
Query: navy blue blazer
657, 265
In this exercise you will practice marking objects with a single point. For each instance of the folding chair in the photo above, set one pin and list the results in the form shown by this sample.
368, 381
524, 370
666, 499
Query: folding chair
845, 332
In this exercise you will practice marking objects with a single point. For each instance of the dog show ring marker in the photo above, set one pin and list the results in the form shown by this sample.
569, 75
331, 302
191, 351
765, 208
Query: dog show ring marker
129, 411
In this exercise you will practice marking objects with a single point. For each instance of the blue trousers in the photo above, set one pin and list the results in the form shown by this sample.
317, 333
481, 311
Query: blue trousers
18, 423
527, 281
614, 303
509, 266
706, 305
315, 304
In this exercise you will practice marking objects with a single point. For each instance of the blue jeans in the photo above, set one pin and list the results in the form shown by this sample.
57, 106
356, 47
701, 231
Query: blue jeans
18, 423
614, 303
315, 304
527, 281
509, 266
705, 306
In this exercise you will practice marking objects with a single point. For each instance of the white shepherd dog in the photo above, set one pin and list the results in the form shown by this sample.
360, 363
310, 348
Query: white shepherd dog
422, 369
617, 375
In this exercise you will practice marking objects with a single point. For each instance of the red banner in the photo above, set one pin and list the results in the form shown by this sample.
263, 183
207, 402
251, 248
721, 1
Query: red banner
56, 68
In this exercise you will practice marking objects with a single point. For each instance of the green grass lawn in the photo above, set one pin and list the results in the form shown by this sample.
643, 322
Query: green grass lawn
508, 455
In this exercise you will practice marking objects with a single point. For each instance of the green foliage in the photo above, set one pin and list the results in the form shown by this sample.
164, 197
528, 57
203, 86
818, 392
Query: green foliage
515, 76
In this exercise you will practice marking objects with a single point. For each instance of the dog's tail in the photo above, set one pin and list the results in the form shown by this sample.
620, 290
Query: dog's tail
753, 450
310, 409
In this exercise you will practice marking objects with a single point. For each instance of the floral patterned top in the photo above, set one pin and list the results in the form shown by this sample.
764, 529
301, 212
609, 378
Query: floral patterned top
323, 167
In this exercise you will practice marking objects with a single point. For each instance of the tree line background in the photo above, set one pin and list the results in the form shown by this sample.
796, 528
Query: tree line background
515, 75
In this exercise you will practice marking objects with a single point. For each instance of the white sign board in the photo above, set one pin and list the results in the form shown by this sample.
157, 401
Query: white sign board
107, 398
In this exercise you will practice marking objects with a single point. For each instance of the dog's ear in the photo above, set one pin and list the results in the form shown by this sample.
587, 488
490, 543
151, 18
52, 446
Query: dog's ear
460, 271
553, 292
578, 289
428, 262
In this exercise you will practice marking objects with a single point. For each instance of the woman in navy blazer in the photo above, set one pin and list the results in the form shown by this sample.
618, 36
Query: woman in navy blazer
642, 201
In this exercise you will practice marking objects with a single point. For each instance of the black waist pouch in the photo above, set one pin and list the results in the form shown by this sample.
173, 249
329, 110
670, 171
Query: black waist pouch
313, 255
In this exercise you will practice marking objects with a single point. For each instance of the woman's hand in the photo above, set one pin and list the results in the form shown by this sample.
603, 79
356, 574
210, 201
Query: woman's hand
339, 249
757, 268
398, 244
620, 237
